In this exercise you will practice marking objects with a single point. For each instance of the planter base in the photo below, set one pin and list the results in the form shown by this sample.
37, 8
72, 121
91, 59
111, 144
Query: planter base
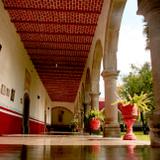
111, 131
129, 137
154, 125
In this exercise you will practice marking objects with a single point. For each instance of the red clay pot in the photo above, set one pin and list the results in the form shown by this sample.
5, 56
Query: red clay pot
129, 114
95, 124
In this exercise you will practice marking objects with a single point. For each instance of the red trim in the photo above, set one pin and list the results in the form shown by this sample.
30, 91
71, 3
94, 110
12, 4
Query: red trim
33, 119
6, 109
12, 124
36, 128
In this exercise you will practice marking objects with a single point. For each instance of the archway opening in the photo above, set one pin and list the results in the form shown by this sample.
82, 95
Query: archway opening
26, 107
95, 75
61, 119
132, 41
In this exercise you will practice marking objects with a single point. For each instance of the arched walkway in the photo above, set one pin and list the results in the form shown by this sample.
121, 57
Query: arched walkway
110, 73
95, 75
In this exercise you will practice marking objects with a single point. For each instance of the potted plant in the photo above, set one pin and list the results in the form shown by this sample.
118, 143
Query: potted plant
95, 118
130, 107
74, 124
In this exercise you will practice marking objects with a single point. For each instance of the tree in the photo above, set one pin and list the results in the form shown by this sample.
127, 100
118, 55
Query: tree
139, 80
146, 33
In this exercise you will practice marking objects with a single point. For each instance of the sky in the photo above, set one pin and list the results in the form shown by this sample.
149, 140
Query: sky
131, 46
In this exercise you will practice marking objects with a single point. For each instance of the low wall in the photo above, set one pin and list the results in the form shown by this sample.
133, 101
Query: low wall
11, 123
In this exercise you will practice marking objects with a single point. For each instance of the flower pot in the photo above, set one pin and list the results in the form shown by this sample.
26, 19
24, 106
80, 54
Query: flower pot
129, 114
94, 124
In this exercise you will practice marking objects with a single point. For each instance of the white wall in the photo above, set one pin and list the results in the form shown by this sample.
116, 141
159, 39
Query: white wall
13, 62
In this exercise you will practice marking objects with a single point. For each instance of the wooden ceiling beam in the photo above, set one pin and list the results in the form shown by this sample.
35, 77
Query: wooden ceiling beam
62, 49
63, 63
42, 54
57, 76
55, 42
58, 58
60, 67
55, 33
79, 72
52, 10
53, 22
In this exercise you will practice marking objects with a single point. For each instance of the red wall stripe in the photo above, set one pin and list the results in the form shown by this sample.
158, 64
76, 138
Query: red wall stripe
11, 123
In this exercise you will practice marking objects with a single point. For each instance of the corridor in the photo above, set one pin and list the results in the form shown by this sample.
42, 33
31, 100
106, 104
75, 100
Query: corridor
46, 147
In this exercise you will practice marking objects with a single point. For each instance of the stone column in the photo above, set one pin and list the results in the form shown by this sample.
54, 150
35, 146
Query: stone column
151, 11
111, 126
94, 100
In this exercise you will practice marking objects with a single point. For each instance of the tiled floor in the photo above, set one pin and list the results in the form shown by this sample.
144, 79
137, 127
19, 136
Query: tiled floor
18, 147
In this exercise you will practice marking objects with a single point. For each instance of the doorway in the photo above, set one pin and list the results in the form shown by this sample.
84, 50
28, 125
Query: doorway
26, 107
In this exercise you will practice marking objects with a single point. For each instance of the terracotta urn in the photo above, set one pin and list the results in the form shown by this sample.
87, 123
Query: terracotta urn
94, 124
129, 114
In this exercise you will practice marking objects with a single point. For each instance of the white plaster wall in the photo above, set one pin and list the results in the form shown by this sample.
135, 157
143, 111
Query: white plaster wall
13, 62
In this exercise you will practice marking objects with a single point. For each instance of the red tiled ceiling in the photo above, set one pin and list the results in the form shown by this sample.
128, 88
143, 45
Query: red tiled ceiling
56, 38
69, 5
59, 17
63, 46
57, 35
72, 29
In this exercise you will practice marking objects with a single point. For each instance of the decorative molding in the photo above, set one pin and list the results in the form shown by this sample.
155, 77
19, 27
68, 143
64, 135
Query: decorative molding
94, 93
110, 73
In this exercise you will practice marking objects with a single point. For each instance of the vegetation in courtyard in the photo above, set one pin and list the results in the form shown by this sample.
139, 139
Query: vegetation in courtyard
138, 86
95, 113
146, 33
142, 101
94, 121
74, 124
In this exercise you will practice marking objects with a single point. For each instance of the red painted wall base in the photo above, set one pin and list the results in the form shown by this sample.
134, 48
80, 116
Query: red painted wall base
11, 123
36, 128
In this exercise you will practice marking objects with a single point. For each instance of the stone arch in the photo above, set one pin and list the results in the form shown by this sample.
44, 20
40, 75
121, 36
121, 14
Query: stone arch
61, 116
110, 72
87, 90
97, 57
95, 76
82, 93
112, 34
87, 86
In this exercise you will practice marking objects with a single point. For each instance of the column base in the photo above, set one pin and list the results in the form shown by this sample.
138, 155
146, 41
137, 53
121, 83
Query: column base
154, 126
111, 131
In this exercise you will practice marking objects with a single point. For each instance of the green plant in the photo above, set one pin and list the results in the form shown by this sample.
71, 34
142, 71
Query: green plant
142, 101
74, 124
95, 113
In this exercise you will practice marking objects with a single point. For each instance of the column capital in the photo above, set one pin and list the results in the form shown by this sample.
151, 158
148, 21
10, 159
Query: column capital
107, 74
95, 93
86, 103
148, 8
